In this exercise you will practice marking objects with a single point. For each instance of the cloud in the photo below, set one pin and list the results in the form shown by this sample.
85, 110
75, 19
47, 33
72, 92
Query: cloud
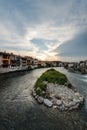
44, 44
40, 43
36, 27
75, 48
26, 13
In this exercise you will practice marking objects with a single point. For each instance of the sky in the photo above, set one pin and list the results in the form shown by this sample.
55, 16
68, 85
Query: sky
44, 29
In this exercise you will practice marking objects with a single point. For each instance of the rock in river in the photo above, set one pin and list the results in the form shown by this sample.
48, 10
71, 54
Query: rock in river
40, 100
48, 103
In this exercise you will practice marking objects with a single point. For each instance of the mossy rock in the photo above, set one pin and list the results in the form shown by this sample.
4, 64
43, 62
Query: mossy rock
50, 76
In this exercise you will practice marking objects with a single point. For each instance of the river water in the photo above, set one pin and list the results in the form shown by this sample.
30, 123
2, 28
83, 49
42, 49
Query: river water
20, 111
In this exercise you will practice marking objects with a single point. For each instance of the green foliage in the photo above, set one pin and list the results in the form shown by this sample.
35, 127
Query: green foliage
38, 91
47, 96
51, 76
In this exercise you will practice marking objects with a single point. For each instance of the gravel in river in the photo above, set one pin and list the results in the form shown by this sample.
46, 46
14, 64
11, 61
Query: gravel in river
19, 111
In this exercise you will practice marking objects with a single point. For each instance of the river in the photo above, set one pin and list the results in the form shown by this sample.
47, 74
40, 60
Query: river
20, 111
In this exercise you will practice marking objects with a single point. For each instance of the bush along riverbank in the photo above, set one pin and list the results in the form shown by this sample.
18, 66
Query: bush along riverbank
54, 90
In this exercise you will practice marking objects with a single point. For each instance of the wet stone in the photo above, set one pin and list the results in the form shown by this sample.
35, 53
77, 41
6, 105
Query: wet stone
59, 102
61, 97
48, 103
40, 100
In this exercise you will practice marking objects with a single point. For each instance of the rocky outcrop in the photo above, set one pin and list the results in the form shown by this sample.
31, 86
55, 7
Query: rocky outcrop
60, 97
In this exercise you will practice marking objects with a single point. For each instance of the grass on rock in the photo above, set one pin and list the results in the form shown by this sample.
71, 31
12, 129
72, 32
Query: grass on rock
50, 76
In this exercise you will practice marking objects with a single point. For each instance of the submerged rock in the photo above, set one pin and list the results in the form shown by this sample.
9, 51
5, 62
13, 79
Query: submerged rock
33, 93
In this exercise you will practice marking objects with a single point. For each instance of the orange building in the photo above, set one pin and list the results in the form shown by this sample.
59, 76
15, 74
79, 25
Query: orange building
5, 59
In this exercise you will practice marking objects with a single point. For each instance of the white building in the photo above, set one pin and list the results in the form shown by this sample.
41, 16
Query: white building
82, 64
70, 65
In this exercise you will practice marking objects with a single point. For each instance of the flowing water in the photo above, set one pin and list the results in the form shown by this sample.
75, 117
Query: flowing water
20, 111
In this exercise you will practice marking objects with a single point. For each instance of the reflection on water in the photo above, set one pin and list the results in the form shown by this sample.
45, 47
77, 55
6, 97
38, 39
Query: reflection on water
20, 111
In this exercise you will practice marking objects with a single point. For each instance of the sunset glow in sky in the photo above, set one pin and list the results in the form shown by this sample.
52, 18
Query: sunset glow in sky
45, 29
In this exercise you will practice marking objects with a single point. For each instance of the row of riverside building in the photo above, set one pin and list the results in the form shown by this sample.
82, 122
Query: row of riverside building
11, 62
77, 66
